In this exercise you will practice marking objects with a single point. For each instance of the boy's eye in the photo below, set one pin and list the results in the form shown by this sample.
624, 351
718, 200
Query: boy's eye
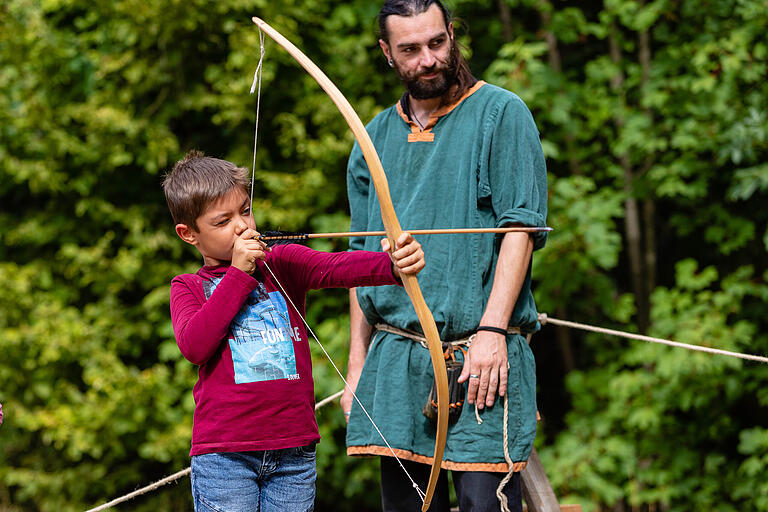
221, 222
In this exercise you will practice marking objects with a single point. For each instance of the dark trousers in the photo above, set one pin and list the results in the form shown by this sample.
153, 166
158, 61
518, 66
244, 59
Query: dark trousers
475, 490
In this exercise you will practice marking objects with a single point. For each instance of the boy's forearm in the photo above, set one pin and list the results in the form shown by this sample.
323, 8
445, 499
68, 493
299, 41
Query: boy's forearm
347, 269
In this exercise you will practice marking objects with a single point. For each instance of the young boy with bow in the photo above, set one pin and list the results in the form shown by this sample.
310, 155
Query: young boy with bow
240, 319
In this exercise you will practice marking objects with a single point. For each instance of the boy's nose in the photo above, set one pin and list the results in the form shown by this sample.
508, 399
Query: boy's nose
241, 225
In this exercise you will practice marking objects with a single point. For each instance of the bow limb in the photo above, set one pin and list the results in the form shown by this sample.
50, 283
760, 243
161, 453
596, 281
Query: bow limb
393, 229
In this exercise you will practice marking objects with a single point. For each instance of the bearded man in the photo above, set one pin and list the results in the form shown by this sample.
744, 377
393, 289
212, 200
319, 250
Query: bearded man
458, 152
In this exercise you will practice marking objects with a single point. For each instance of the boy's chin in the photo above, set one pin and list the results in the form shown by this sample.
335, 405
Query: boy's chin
216, 262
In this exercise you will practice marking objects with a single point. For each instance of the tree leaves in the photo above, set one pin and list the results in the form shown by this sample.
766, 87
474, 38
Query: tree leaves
97, 100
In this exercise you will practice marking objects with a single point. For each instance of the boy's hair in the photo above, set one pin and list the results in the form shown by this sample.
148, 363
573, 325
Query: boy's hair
198, 180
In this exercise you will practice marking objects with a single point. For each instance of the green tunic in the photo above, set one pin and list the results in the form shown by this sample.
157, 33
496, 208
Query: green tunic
478, 163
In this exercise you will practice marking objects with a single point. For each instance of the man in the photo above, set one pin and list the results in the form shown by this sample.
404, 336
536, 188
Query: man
458, 153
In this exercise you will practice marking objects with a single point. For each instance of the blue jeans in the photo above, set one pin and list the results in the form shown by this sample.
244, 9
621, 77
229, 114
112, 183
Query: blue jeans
260, 481
475, 490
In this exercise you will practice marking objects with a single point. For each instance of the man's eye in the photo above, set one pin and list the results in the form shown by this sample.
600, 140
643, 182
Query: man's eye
437, 43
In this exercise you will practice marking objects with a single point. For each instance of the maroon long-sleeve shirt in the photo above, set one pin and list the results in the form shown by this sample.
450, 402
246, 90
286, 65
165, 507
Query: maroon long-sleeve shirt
255, 389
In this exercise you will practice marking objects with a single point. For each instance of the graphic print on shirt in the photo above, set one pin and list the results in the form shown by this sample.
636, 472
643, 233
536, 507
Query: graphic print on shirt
261, 337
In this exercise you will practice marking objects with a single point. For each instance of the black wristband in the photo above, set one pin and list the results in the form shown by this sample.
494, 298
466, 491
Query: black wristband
497, 330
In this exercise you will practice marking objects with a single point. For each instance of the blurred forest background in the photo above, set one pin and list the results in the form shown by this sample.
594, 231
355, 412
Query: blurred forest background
653, 119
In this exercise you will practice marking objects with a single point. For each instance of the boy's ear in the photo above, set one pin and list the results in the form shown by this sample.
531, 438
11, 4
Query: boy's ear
186, 233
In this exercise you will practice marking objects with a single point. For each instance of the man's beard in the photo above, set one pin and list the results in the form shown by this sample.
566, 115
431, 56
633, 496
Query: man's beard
434, 88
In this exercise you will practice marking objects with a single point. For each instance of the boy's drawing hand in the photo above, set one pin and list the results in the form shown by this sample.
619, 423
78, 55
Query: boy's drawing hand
408, 257
247, 249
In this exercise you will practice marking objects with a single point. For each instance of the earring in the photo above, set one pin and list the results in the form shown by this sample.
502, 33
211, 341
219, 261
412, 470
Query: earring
391, 64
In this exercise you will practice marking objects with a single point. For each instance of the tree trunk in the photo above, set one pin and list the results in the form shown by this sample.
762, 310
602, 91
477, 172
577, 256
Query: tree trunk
506, 20
545, 11
631, 210
564, 341
555, 62
634, 246
649, 206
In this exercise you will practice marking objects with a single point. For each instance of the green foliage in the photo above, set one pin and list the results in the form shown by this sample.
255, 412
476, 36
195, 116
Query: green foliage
667, 426
585, 246
98, 99
682, 128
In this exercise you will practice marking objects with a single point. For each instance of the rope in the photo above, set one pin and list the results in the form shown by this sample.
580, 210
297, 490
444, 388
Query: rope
477, 415
421, 340
143, 490
328, 399
544, 319
499, 491
183, 472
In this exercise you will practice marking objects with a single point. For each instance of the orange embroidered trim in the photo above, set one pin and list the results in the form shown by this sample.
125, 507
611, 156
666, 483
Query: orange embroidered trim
449, 108
501, 467
425, 136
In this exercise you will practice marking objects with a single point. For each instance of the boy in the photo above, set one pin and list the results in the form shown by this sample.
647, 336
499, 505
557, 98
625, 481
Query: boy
254, 429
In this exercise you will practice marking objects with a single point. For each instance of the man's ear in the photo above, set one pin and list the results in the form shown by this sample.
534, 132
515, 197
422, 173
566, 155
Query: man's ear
450, 30
385, 48
186, 233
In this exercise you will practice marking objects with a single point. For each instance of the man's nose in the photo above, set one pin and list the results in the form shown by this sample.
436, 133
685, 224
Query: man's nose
427, 59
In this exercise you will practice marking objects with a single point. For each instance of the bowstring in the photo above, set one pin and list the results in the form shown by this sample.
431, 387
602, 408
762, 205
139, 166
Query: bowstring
256, 87
256, 81
346, 385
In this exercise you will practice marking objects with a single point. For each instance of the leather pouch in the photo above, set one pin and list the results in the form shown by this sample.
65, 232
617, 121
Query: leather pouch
455, 392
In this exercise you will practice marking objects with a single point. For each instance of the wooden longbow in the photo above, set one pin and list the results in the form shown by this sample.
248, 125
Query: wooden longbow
393, 230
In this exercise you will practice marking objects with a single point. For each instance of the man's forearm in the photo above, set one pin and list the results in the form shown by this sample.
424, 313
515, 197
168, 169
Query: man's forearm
360, 337
485, 364
511, 268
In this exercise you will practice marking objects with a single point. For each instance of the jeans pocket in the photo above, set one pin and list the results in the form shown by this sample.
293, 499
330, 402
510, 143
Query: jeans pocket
308, 451
203, 506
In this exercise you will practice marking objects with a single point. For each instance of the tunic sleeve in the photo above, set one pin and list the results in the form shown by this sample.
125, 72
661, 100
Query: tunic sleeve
515, 182
358, 190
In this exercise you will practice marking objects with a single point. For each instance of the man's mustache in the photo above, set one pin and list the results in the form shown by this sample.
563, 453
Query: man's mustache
435, 68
